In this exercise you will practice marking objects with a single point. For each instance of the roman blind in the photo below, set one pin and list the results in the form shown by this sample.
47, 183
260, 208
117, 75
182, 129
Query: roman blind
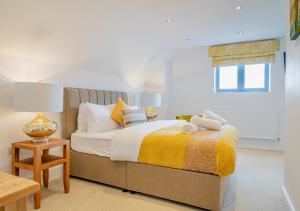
244, 53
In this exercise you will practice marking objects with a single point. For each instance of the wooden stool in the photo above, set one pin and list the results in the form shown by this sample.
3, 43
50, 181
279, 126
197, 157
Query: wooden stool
42, 161
14, 192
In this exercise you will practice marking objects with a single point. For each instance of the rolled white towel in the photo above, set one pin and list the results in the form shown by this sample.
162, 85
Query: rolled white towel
209, 124
211, 115
189, 128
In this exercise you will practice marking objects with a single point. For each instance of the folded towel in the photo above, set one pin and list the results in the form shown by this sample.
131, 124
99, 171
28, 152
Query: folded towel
211, 115
189, 128
209, 124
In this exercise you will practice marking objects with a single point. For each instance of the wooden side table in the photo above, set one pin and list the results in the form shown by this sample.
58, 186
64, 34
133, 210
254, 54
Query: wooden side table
14, 192
42, 161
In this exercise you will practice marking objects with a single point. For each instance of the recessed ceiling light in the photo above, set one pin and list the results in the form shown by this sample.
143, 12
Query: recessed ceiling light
188, 40
239, 7
170, 20
241, 32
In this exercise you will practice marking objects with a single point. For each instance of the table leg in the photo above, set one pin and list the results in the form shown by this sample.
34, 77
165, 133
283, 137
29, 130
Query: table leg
46, 172
15, 158
22, 204
37, 176
66, 155
2, 208
18, 205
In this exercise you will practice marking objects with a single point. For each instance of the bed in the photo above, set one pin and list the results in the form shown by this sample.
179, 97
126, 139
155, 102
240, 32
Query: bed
90, 159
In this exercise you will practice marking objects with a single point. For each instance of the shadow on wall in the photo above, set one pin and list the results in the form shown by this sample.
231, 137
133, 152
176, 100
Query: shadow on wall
81, 78
14, 68
4, 80
129, 76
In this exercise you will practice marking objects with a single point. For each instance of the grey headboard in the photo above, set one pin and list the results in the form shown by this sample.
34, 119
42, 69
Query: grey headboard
74, 96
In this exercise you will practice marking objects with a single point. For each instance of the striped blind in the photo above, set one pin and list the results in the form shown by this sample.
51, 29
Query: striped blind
244, 53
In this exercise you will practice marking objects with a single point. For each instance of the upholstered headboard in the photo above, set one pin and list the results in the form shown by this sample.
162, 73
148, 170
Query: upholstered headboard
74, 96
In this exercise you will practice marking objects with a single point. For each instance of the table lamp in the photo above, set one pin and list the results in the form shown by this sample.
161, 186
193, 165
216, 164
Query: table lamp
150, 100
38, 97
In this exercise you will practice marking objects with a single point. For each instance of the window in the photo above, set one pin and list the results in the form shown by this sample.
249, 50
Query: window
243, 78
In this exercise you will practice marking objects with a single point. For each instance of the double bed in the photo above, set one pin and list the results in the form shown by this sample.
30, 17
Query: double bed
91, 159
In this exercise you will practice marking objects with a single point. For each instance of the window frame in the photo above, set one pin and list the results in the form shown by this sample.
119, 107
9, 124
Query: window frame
241, 81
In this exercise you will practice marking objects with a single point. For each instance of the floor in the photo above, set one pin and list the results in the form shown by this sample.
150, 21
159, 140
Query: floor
256, 186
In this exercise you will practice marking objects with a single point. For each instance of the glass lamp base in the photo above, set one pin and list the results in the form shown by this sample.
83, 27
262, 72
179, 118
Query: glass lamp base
40, 128
40, 140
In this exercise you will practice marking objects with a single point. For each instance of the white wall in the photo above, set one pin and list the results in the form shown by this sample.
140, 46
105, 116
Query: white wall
292, 116
191, 89
10, 70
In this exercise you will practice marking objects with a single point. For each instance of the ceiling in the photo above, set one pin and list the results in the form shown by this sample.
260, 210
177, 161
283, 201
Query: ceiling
122, 36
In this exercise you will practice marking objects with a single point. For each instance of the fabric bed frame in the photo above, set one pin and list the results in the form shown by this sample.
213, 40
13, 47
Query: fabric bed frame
197, 189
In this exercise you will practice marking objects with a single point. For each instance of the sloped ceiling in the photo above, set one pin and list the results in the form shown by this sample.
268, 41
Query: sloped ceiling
129, 37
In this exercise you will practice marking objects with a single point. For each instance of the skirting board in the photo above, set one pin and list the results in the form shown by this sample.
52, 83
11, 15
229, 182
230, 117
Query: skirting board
287, 202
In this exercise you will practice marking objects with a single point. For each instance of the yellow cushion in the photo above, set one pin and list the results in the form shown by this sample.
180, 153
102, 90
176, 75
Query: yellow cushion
116, 114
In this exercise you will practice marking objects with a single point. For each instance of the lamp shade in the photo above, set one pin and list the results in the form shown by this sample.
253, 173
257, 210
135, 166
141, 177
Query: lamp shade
38, 97
151, 99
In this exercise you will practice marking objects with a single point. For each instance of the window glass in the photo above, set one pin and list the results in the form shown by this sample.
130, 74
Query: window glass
228, 77
243, 78
254, 76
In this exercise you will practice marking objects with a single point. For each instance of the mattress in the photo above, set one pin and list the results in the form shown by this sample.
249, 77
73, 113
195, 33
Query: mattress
93, 143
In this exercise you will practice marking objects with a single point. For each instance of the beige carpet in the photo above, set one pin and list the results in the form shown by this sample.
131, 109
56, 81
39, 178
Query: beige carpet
256, 186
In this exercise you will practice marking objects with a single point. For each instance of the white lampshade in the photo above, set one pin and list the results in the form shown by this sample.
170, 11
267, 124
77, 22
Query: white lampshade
38, 97
151, 99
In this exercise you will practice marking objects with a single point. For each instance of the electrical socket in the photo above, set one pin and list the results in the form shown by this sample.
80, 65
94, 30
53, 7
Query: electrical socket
9, 150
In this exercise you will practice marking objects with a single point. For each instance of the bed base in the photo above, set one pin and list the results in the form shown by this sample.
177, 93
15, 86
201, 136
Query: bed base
192, 188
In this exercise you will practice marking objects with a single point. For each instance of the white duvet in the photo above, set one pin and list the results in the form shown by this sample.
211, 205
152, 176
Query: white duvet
126, 143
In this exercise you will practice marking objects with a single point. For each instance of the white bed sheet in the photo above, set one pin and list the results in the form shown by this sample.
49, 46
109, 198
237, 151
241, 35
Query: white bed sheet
93, 143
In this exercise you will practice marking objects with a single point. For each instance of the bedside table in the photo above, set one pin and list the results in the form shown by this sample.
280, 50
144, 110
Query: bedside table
42, 161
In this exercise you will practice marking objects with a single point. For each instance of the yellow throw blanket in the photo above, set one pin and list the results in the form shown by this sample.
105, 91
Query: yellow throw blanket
204, 151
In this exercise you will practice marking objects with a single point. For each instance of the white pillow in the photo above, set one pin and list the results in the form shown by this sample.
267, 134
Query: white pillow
132, 107
81, 118
110, 108
99, 118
